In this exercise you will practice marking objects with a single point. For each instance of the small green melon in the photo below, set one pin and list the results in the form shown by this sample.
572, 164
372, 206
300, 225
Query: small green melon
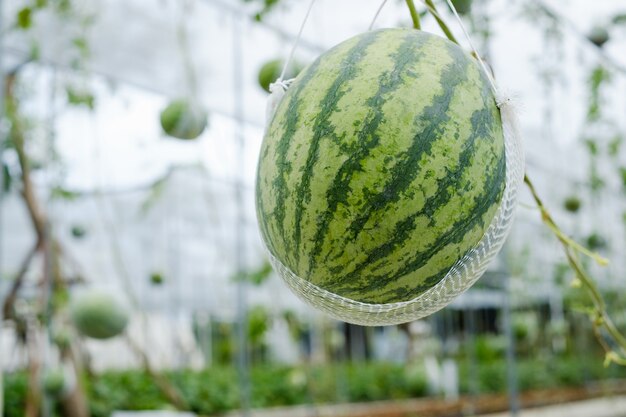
598, 36
184, 119
270, 71
98, 315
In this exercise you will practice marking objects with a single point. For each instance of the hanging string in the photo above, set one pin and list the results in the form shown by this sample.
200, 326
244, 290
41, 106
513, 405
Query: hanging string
278, 87
471, 44
295, 43
183, 44
380, 8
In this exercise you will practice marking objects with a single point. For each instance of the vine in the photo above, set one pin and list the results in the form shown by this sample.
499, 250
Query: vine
602, 323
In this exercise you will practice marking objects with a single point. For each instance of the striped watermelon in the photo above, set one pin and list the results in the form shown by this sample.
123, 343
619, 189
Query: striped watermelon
383, 165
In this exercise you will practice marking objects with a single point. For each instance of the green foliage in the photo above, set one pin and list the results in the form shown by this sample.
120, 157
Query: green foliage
592, 147
257, 276
156, 191
15, 389
595, 180
156, 278
77, 97
595, 241
266, 6
619, 19
259, 321
489, 347
6, 178
78, 231
63, 194
24, 18
215, 390
296, 327
615, 145
599, 76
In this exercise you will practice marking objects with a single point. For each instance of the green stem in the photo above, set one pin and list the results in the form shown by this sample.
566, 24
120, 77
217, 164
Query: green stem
414, 15
587, 282
446, 30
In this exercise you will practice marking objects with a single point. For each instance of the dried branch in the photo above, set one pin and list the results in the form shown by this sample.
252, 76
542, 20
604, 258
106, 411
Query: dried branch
9, 300
170, 391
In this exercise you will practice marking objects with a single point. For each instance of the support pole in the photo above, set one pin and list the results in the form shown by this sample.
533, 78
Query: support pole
2, 139
511, 370
241, 302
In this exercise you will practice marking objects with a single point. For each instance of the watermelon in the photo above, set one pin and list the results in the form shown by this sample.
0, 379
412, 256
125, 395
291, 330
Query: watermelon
98, 315
598, 36
383, 166
184, 119
270, 71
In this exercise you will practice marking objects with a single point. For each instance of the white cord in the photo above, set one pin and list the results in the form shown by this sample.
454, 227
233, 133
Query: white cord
380, 8
471, 44
295, 44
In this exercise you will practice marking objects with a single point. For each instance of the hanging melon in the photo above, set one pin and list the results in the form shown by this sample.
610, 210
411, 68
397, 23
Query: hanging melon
598, 36
270, 71
184, 119
98, 315
380, 173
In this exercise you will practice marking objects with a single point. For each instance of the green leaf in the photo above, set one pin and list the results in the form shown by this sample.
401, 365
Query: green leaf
64, 194
80, 98
25, 18
614, 145
599, 77
82, 45
63, 6
156, 191
592, 146
6, 178
619, 19
258, 276
156, 278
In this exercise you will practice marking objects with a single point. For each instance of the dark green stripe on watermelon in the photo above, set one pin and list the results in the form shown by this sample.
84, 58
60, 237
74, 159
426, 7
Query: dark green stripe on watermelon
456, 233
368, 138
407, 168
321, 129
